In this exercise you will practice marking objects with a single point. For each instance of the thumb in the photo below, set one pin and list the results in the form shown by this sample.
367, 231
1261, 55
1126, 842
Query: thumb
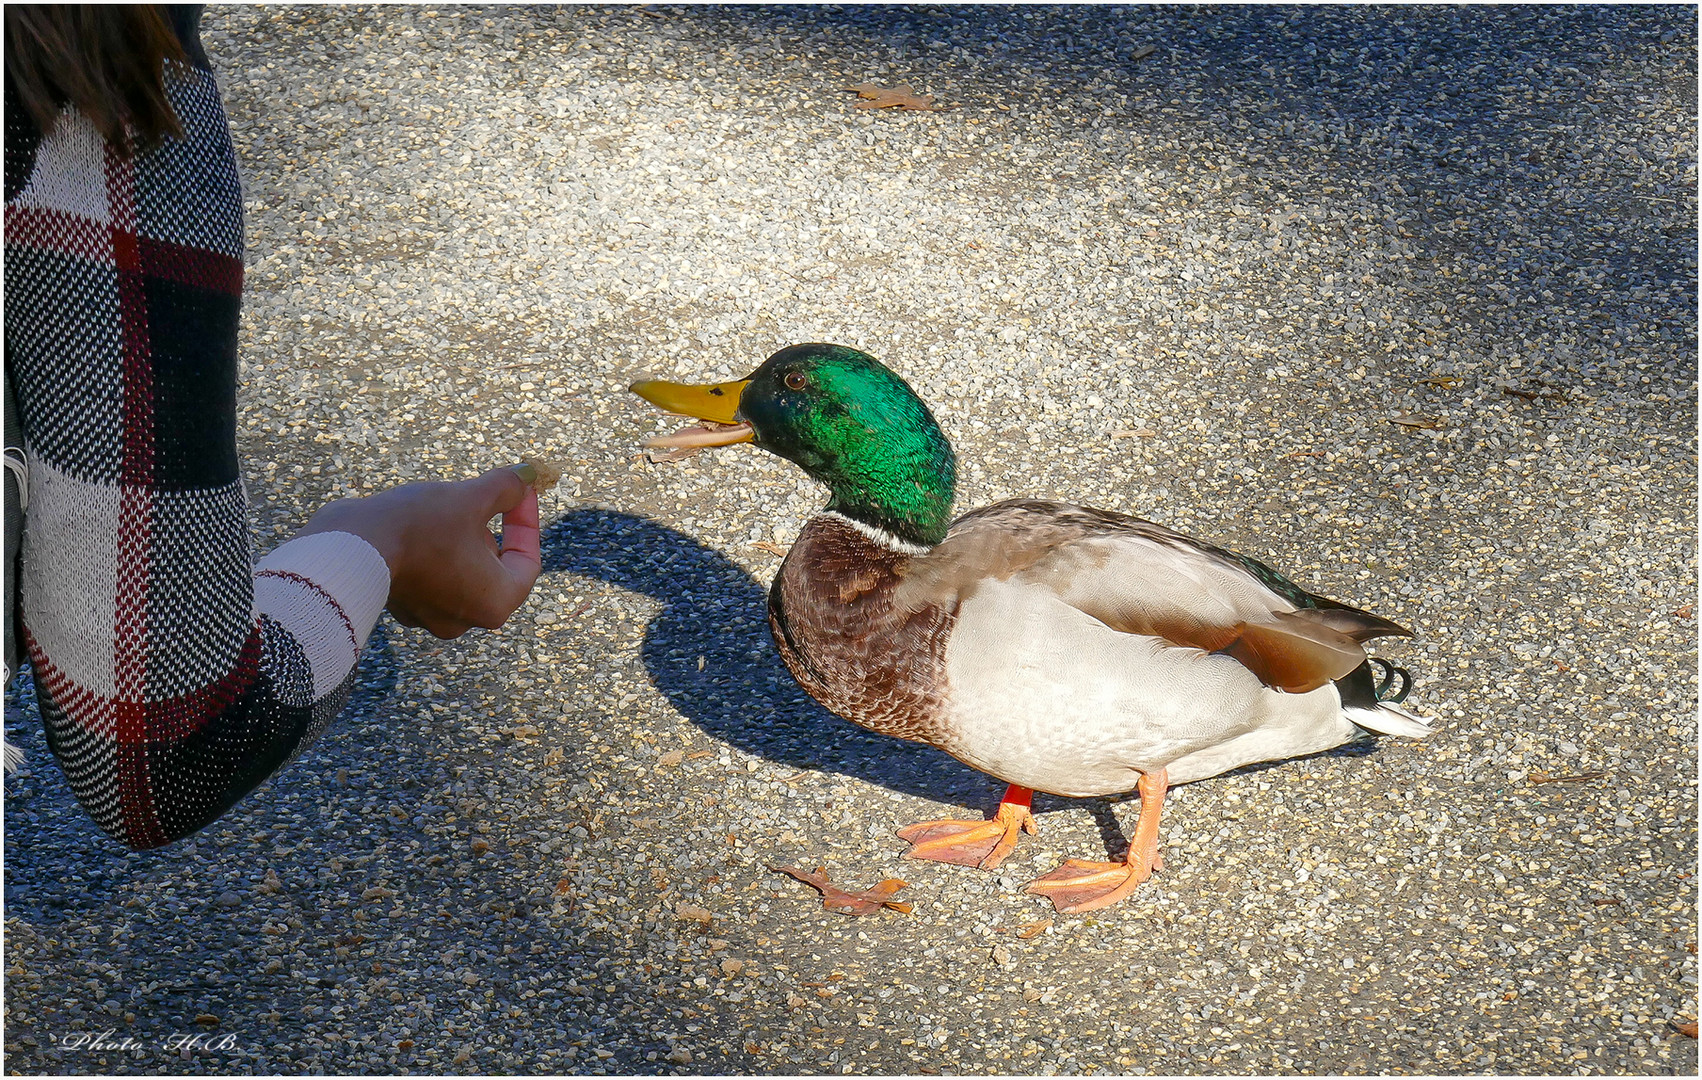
500, 490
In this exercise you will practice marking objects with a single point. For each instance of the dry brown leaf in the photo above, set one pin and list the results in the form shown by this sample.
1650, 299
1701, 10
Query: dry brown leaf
833, 898
1684, 1027
1443, 382
770, 547
1413, 420
1034, 929
1533, 395
1540, 777
876, 96
1143, 52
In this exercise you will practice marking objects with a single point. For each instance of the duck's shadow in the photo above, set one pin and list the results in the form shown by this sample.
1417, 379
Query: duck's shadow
709, 652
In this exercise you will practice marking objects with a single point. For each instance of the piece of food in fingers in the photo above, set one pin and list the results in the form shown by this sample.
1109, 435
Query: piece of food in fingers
546, 473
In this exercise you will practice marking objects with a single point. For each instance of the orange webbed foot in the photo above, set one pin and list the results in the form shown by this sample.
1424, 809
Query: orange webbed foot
1079, 886
984, 844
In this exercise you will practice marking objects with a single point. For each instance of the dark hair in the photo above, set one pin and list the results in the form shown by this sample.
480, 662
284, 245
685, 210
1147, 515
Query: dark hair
108, 61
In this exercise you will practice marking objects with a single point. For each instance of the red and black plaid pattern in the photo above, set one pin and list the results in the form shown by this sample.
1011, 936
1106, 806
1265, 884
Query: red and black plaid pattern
173, 677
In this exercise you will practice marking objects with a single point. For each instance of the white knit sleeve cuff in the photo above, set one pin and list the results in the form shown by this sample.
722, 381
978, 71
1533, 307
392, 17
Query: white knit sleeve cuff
327, 590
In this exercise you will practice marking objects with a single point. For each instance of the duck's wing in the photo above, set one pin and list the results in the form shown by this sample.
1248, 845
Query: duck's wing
1142, 578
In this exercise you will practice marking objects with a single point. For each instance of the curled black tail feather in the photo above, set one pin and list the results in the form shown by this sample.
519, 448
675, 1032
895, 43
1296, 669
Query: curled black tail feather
1389, 674
1362, 688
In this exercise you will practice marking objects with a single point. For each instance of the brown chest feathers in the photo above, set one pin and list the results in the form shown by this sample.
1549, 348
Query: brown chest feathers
831, 609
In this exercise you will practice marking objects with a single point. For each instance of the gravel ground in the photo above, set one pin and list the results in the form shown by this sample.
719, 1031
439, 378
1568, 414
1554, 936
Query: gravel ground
1401, 300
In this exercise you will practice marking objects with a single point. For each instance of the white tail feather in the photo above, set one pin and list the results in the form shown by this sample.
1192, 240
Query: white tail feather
1389, 719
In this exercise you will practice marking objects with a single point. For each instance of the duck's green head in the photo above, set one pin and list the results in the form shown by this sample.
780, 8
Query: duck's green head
844, 418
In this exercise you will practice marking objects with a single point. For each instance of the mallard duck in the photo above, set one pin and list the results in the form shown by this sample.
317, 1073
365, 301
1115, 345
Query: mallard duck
1056, 647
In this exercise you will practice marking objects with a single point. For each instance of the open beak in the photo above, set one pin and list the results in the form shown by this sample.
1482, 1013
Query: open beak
716, 406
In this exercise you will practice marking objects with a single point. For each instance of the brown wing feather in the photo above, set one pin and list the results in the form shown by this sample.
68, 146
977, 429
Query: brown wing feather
1294, 653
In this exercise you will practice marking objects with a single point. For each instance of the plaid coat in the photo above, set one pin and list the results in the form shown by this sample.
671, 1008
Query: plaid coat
174, 673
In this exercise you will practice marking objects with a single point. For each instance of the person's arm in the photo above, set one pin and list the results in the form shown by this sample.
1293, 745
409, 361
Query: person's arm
174, 675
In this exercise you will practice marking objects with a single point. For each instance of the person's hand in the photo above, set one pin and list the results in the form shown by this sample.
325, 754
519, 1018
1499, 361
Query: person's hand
447, 572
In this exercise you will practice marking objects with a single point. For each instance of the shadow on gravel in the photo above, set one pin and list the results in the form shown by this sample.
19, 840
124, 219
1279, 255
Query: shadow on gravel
708, 651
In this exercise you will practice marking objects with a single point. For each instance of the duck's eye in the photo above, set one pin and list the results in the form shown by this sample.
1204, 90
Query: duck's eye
796, 380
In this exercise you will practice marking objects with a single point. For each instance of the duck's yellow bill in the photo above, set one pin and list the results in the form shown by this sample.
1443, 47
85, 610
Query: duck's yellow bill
717, 402
716, 405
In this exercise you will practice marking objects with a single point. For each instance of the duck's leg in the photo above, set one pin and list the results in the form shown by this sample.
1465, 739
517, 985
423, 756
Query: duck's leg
1079, 886
974, 843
